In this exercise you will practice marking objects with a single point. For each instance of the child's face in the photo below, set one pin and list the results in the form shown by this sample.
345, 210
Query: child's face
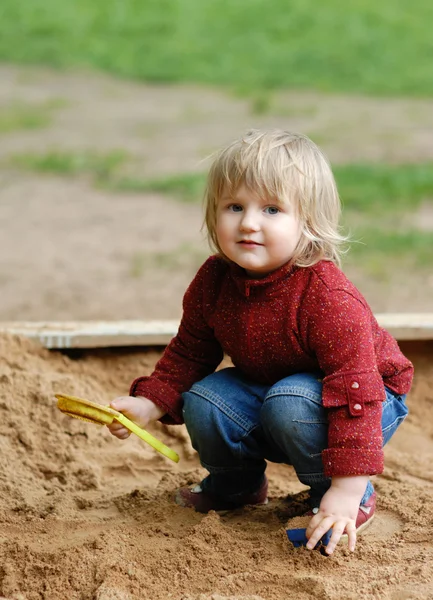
257, 234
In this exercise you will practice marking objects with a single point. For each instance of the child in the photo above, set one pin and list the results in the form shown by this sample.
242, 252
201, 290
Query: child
316, 383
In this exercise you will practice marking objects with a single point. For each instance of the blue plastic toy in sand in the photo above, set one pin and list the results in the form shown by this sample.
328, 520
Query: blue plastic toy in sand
298, 538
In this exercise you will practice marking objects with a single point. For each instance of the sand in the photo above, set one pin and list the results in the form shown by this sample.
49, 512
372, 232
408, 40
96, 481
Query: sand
85, 516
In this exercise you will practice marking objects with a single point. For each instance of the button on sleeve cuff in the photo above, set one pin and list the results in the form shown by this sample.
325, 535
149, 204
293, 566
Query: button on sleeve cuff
353, 389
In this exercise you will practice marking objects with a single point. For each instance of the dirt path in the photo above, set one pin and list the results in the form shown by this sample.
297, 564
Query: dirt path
70, 251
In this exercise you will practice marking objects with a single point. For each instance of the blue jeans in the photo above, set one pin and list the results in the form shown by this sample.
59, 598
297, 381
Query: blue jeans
236, 425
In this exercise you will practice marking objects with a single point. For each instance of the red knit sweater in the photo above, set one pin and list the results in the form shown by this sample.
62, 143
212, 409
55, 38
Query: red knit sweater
298, 319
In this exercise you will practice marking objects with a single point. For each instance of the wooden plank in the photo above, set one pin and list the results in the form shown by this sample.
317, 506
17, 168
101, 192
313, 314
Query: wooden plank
95, 334
407, 326
105, 334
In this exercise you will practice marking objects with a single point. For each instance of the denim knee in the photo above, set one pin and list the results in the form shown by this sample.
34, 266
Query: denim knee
199, 418
293, 417
215, 435
295, 399
394, 412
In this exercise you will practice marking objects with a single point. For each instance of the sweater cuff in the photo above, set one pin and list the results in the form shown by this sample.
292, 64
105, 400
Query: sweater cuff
352, 388
160, 394
340, 462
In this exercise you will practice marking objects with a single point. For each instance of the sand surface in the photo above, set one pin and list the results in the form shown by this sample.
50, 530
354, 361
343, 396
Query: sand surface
85, 516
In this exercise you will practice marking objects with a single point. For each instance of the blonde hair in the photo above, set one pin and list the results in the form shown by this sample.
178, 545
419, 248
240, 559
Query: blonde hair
287, 167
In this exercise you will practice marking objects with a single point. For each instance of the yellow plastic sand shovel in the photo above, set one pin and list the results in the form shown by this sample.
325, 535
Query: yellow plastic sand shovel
105, 415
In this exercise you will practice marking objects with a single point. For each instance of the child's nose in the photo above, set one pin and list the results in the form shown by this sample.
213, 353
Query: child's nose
250, 221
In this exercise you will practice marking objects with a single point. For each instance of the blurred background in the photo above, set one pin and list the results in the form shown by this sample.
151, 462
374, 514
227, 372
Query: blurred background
109, 110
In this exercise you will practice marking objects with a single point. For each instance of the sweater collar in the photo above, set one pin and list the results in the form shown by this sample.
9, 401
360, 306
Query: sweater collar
245, 284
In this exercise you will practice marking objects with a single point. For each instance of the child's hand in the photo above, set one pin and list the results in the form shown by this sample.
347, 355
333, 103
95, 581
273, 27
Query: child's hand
136, 408
338, 510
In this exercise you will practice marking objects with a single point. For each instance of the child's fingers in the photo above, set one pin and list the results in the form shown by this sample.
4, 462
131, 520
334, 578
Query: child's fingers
351, 535
115, 426
118, 430
123, 434
120, 403
319, 531
314, 523
337, 532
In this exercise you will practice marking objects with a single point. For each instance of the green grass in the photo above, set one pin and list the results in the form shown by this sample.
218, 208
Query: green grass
369, 189
100, 167
362, 46
20, 116
377, 201
375, 198
413, 247
186, 187
372, 189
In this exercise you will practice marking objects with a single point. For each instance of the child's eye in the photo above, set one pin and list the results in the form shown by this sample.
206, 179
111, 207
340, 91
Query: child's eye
272, 210
235, 207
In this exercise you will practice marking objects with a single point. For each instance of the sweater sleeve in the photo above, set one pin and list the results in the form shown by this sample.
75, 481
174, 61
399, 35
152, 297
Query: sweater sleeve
340, 334
191, 355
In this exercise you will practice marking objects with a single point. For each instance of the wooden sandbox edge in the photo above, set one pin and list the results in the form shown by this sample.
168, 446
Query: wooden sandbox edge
107, 334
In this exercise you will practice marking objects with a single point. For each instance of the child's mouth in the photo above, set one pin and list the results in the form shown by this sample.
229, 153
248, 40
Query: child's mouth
249, 243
